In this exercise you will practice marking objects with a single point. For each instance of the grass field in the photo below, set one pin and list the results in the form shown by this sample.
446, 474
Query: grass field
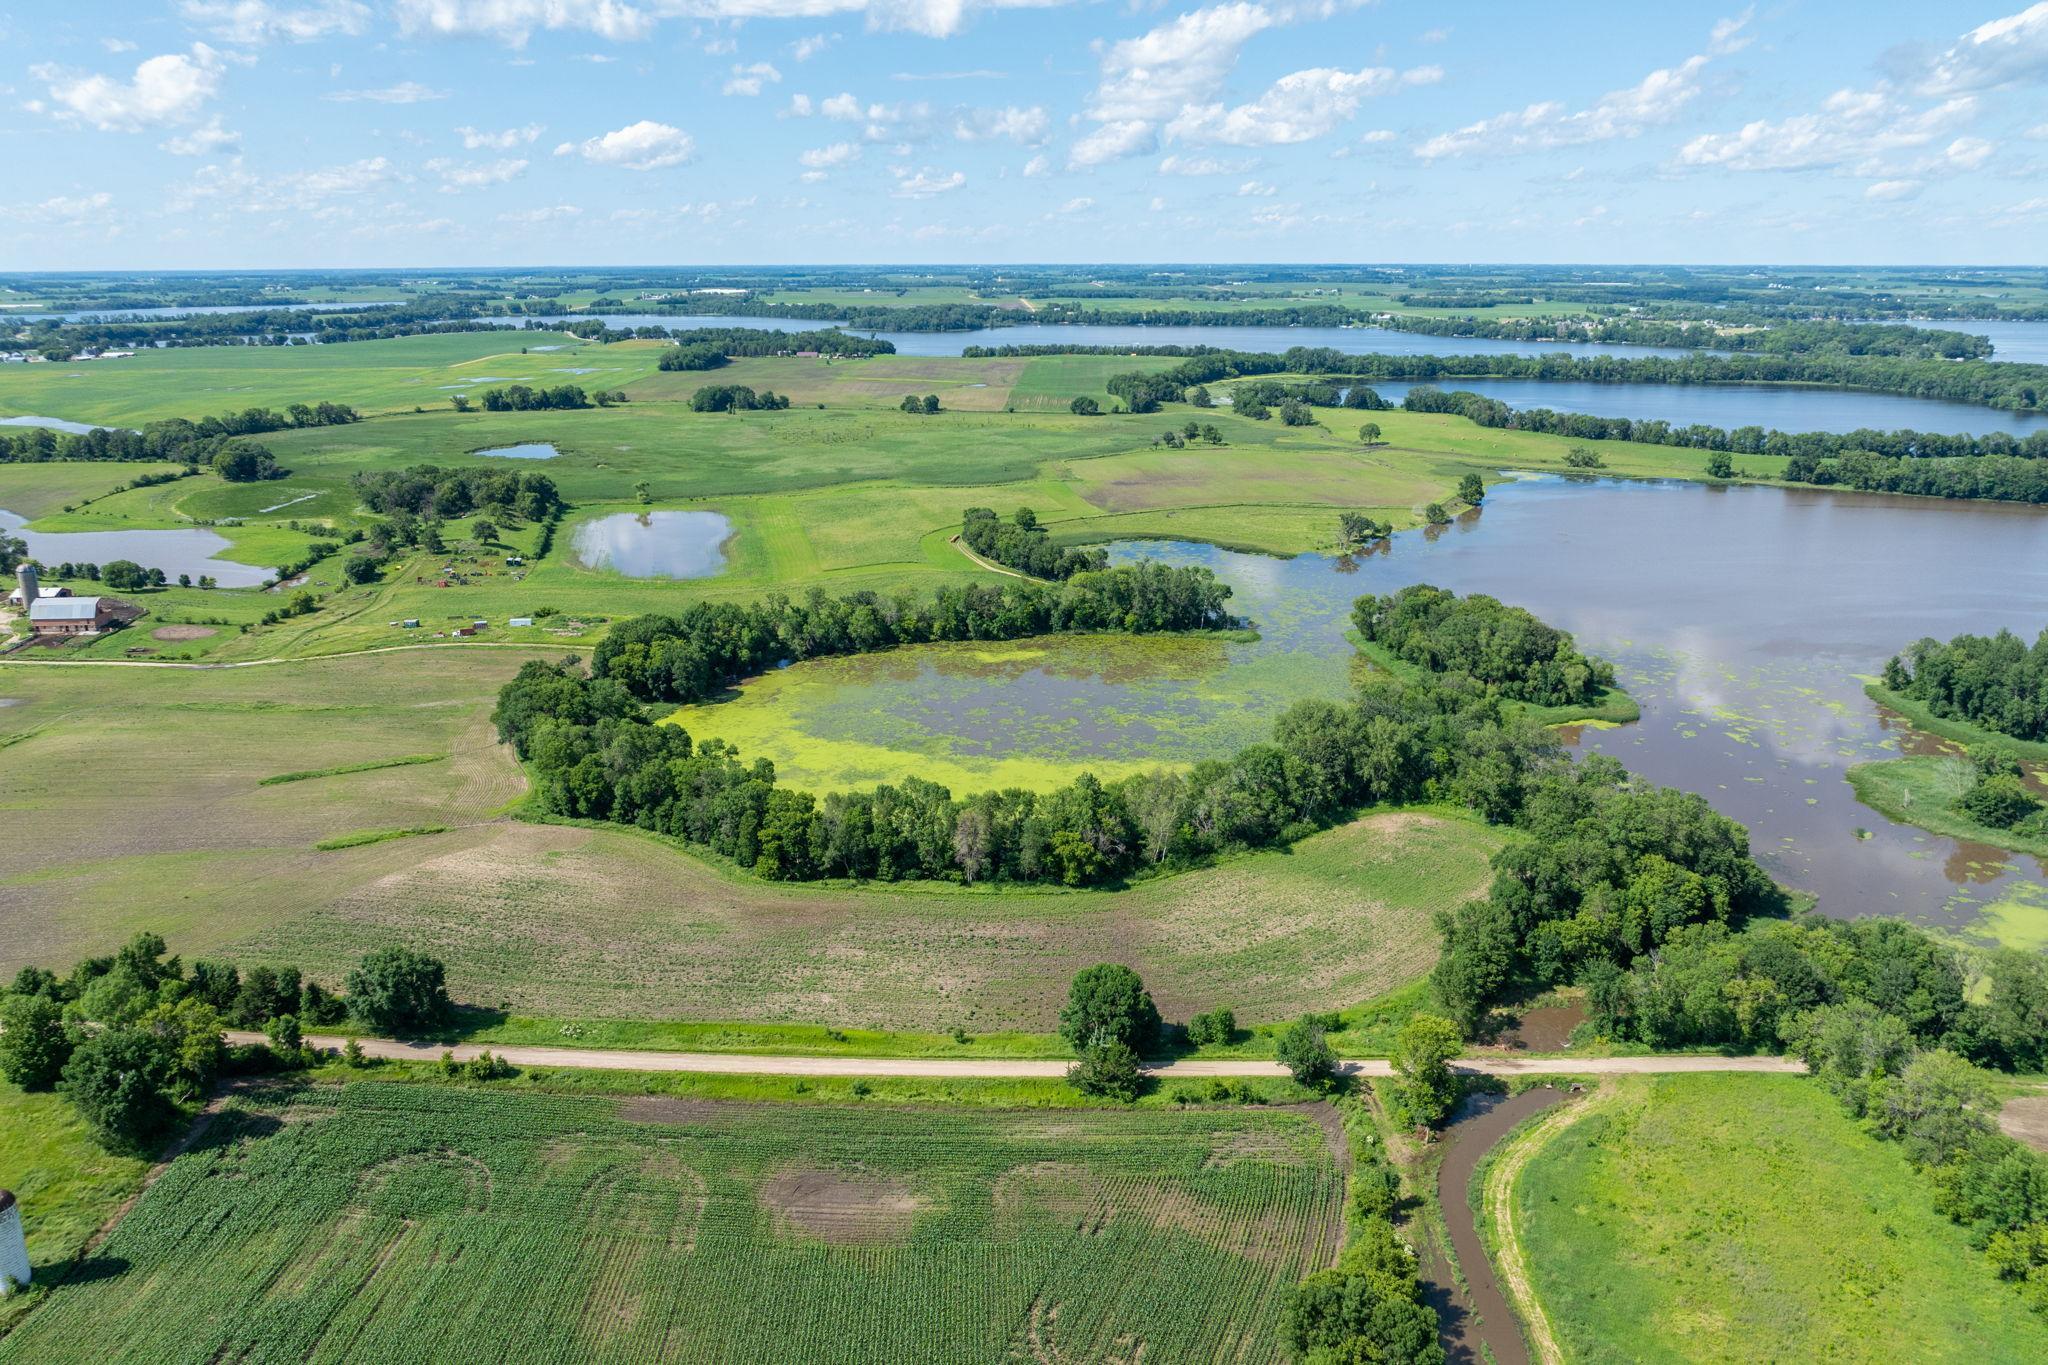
1922, 790
1745, 1218
168, 769
412, 1222
66, 1184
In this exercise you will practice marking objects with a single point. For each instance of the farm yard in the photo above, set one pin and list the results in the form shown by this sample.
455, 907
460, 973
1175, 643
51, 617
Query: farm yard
409, 1222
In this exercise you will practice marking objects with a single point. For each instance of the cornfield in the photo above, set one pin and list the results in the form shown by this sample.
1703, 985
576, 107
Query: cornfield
398, 1223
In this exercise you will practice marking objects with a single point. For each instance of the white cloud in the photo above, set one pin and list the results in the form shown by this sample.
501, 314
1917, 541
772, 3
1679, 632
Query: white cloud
747, 80
1728, 36
238, 189
1113, 141
843, 106
63, 208
117, 45
477, 139
515, 21
1158, 204
1298, 107
164, 91
1852, 127
535, 217
1026, 127
1037, 166
1658, 98
800, 106
1150, 77
1206, 165
926, 183
204, 140
474, 175
1257, 189
1375, 136
405, 92
803, 49
2037, 133
1078, 205
2006, 51
250, 22
1893, 189
822, 159
642, 146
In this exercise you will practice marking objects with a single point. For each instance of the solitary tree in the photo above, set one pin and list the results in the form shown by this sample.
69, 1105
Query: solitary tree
1422, 1056
34, 1046
399, 991
1435, 515
1108, 1069
1720, 466
1369, 434
1108, 1003
484, 530
1306, 1053
1471, 490
931, 403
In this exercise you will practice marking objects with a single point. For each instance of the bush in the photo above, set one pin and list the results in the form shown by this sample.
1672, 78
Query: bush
1422, 1056
1085, 407
34, 1046
1217, 1026
1305, 1053
2000, 801
1108, 1003
119, 1079
1435, 515
1368, 1308
1584, 457
284, 1033
399, 991
1107, 1069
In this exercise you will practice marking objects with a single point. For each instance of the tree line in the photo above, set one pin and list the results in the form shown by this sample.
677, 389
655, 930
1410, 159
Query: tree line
1778, 337
176, 440
1024, 545
1997, 682
429, 491
736, 398
1506, 649
696, 653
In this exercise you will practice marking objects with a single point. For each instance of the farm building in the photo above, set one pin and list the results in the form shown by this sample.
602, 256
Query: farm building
18, 595
70, 615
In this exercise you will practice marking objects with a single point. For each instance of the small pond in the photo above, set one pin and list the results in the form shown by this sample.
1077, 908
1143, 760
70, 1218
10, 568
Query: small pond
187, 550
655, 544
526, 450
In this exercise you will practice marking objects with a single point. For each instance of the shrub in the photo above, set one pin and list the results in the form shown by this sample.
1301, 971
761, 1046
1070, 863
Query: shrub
1305, 1053
119, 1080
34, 1046
1216, 1026
398, 990
1085, 407
1107, 1069
1108, 1003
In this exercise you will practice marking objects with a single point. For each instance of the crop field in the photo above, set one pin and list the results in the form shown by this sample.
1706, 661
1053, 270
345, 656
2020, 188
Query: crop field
387, 1221
168, 767
1695, 1217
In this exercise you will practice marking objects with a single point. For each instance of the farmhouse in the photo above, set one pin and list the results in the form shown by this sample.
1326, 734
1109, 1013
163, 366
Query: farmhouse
70, 615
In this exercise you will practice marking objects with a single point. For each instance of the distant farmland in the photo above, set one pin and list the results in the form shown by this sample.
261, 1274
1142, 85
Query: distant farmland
394, 1222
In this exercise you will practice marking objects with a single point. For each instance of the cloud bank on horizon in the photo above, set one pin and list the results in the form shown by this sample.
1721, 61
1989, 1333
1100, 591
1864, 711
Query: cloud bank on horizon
218, 133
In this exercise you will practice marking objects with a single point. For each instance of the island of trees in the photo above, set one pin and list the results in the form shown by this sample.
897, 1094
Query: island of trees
1022, 544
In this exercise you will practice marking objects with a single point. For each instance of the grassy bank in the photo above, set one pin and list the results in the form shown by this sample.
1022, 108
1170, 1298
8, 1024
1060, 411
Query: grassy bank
1962, 732
1922, 790
1713, 1217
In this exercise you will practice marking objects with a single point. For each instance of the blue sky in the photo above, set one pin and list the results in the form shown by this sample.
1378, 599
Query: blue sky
221, 133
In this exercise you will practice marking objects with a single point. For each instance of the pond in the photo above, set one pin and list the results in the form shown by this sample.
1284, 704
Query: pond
187, 550
1742, 619
1787, 407
525, 450
53, 423
655, 544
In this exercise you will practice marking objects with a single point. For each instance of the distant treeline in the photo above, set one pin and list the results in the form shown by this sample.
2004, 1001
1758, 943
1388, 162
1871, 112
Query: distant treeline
1506, 649
709, 646
1996, 681
1023, 544
176, 439
1776, 338
736, 398
524, 398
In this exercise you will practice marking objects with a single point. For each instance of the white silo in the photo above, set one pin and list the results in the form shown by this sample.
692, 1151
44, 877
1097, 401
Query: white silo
14, 1270
25, 576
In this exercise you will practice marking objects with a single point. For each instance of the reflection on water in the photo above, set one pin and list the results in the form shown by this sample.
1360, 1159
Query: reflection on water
654, 544
187, 551
527, 450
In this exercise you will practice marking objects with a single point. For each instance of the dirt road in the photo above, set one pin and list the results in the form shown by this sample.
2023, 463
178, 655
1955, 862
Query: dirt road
1000, 1068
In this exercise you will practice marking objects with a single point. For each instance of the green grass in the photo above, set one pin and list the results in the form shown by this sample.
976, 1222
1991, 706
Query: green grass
1712, 1218
1922, 790
381, 1219
341, 769
66, 1184
360, 838
1961, 731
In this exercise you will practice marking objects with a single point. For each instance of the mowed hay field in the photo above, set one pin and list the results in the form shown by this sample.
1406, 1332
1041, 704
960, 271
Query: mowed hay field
380, 1221
148, 783
1746, 1218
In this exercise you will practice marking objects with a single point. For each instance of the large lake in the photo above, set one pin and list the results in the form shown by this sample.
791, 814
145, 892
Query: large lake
2016, 340
1787, 407
1740, 618
190, 550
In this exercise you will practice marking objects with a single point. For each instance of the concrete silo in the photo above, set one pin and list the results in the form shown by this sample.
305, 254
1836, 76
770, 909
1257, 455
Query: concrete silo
14, 1270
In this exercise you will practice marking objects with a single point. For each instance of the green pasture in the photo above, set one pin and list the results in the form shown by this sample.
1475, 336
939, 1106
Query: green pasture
66, 1183
340, 1222
1922, 790
1737, 1218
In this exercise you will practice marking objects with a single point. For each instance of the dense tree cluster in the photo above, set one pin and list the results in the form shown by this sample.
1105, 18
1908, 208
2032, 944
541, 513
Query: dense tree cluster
429, 491
177, 440
735, 398
695, 355
1022, 544
246, 462
1997, 478
1368, 1307
1997, 682
1504, 648
525, 398
707, 646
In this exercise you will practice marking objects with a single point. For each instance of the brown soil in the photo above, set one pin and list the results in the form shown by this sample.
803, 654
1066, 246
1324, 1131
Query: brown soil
2026, 1119
182, 632
847, 1208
